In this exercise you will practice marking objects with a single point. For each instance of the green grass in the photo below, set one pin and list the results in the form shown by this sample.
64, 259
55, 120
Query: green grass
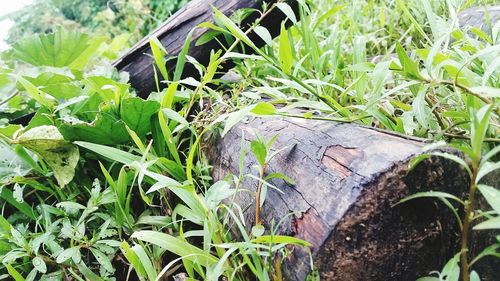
103, 184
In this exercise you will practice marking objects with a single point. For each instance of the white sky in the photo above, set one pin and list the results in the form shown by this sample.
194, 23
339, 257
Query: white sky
7, 6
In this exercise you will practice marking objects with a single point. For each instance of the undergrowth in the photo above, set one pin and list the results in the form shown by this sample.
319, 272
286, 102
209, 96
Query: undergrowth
103, 185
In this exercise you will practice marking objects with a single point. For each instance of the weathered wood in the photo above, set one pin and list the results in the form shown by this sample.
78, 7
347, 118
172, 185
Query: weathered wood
480, 17
172, 34
347, 178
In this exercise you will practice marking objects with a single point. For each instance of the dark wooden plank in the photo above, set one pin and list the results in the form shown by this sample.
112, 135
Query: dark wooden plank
174, 31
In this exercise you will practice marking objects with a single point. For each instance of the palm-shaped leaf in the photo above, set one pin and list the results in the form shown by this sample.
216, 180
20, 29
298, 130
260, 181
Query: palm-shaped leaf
63, 48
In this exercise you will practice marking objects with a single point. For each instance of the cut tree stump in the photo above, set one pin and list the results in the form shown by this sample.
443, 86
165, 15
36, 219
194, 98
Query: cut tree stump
172, 33
347, 179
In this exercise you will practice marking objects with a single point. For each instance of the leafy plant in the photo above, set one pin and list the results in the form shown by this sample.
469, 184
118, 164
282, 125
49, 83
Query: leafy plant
101, 184
480, 166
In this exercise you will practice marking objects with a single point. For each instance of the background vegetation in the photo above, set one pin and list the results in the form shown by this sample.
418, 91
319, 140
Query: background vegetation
102, 17
101, 184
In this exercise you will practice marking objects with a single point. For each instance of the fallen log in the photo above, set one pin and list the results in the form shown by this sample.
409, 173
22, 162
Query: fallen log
483, 18
173, 32
347, 180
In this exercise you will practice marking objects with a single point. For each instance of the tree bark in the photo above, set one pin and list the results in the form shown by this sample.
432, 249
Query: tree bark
347, 180
173, 33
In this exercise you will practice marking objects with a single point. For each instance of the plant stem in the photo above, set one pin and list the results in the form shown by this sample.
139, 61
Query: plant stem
469, 204
9, 98
465, 137
465, 89
257, 196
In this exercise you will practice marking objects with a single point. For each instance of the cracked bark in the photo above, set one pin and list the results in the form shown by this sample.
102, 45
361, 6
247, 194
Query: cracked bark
342, 198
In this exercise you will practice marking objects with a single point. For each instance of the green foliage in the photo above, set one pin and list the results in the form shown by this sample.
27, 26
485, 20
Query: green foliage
62, 48
136, 18
48, 143
102, 184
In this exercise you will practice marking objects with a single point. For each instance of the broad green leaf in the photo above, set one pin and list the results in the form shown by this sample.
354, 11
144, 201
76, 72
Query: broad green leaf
67, 254
259, 150
110, 152
485, 169
218, 192
284, 177
480, 121
288, 11
102, 259
39, 264
264, 108
168, 138
9, 130
145, 261
235, 117
410, 68
181, 59
108, 128
57, 85
264, 34
134, 260
258, 230
24, 208
285, 51
14, 273
89, 274
233, 28
328, 14
136, 113
4, 224
492, 196
62, 48
176, 246
34, 92
474, 276
107, 88
159, 53
493, 223
42, 117
451, 270
58, 153
420, 109
10, 163
168, 98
